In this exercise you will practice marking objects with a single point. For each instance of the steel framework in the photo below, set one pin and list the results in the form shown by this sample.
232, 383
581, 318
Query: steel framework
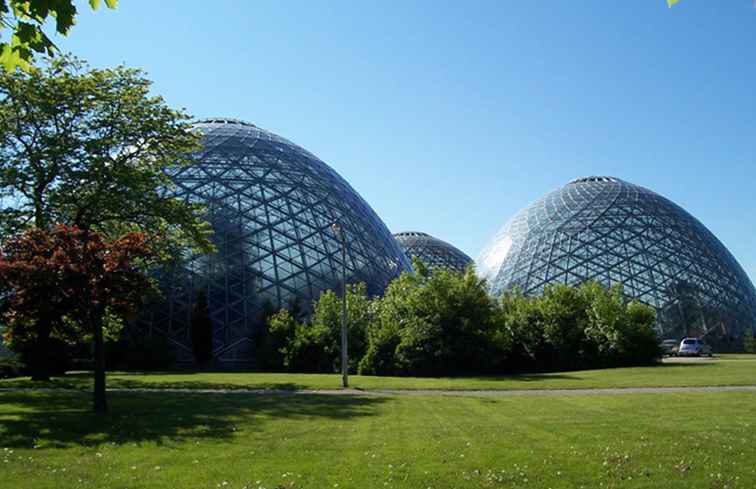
609, 230
433, 252
271, 204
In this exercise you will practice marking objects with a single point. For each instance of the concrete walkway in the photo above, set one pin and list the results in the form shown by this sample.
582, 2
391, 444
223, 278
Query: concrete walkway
422, 392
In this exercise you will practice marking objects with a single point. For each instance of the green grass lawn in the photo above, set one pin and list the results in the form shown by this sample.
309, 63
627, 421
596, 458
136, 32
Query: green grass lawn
725, 370
164, 440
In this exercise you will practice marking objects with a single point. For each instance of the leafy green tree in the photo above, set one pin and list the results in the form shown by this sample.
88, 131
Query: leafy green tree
25, 20
517, 319
392, 313
90, 148
638, 341
315, 346
563, 318
273, 343
433, 324
93, 149
570, 328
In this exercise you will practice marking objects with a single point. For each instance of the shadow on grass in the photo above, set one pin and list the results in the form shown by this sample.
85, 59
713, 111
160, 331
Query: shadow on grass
120, 383
146, 380
59, 420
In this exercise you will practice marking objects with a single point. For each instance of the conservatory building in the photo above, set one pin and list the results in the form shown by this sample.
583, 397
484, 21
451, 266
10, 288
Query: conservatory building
615, 232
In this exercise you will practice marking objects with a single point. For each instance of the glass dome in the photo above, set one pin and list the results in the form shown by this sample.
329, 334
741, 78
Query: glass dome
272, 205
605, 229
432, 251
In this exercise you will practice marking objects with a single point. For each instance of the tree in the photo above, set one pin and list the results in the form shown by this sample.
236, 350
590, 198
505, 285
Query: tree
436, 323
273, 345
315, 346
94, 149
91, 148
67, 282
569, 328
26, 18
202, 332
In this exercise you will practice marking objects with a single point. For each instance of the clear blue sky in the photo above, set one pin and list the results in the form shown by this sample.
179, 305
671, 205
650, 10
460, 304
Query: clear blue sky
448, 117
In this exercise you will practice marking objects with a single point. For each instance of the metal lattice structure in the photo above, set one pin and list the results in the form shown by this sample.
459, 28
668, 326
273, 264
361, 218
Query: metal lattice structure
433, 252
611, 231
271, 204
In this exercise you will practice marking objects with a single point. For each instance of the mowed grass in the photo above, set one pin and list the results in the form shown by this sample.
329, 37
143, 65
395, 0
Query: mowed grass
724, 370
170, 440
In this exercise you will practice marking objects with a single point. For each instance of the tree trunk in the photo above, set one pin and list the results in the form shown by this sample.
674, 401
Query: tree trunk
100, 396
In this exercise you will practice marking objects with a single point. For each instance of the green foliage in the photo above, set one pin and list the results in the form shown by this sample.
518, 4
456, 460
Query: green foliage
437, 323
90, 148
10, 366
444, 323
749, 342
622, 332
274, 346
570, 328
268, 345
315, 346
26, 19
545, 333
202, 332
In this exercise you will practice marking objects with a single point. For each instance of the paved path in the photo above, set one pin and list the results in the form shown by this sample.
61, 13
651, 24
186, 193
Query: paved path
424, 392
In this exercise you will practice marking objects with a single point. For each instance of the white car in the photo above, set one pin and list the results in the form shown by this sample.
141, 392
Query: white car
693, 347
670, 347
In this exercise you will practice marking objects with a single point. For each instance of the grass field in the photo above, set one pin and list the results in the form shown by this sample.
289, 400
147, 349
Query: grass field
161, 440
726, 370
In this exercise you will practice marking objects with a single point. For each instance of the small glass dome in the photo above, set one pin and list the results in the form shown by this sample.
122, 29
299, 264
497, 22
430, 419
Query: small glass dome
432, 251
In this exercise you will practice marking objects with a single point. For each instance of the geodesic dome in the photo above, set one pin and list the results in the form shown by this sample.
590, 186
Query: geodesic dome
605, 229
272, 205
433, 252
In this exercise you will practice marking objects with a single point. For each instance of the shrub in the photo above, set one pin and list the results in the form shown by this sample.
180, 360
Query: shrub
569, 328
10, 366
445, 323
749, 342
431, 324
316, 346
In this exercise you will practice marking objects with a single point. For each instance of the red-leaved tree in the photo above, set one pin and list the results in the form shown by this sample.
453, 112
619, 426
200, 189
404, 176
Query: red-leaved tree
63, 282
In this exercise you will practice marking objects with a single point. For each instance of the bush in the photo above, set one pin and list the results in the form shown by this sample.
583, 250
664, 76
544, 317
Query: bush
569, 328
445, 323
749, 342
432, 324
316, 346
10, 366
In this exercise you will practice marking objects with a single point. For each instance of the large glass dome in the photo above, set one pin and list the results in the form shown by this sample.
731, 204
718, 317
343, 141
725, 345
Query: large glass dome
432, 251
272, 205
605, 229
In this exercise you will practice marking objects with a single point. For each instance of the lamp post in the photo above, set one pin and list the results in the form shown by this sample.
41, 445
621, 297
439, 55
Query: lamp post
344, 354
